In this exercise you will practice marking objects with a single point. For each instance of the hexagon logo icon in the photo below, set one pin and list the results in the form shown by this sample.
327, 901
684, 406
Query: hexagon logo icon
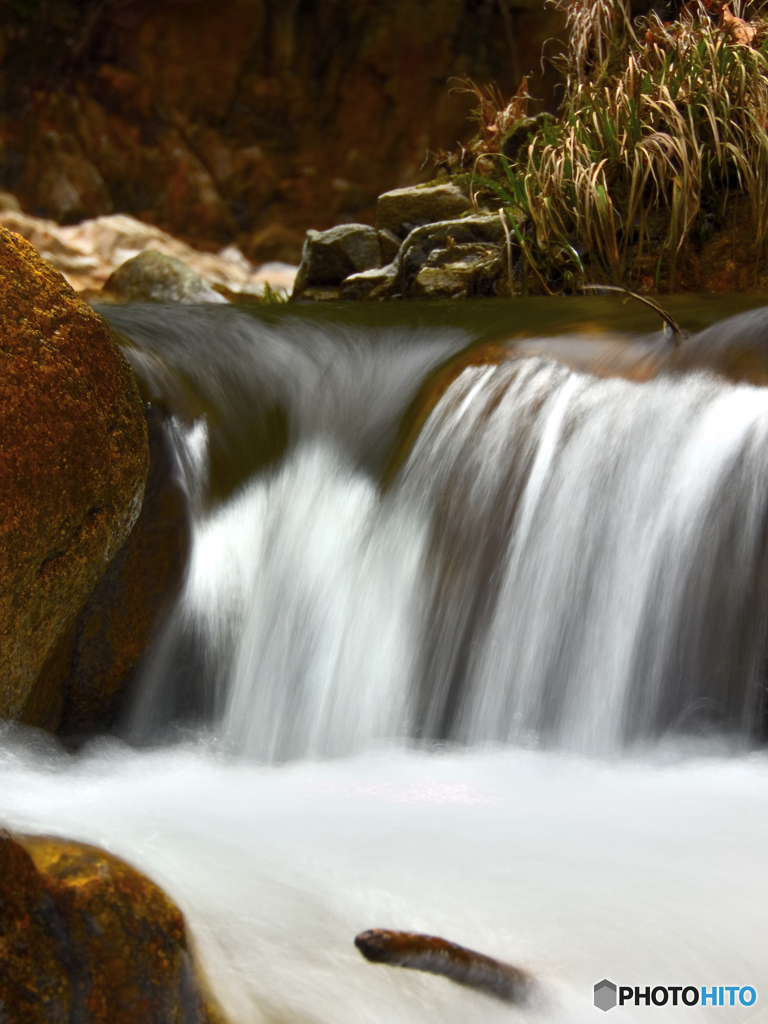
605, 995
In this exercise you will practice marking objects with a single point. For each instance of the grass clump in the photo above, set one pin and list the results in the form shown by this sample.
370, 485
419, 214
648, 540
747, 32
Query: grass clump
662, 123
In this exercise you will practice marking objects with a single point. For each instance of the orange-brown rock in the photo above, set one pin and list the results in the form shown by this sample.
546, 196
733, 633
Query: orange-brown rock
73, 461
85, 937
34, 982
132, 599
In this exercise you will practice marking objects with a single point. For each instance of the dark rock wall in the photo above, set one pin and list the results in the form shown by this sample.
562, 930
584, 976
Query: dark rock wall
246, 119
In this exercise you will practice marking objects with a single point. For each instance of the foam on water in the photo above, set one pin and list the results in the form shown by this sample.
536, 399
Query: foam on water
566, 563
644, 873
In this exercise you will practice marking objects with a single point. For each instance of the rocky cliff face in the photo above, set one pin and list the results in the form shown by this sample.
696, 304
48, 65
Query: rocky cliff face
245, 120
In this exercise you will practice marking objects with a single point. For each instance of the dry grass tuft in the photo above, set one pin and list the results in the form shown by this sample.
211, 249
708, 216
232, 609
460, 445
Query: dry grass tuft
660, 124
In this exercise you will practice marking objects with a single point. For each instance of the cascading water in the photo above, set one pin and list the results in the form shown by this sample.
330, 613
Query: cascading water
560, 562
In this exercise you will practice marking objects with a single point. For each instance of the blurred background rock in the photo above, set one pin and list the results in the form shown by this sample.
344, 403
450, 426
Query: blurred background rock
246, 122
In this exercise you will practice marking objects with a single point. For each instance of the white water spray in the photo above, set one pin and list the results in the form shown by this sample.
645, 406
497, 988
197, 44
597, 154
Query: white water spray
562, 562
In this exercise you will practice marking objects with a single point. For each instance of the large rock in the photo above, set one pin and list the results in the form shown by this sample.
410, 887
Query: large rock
404, 209
132, 599
73, 461
154, 277
328, 257
84, 937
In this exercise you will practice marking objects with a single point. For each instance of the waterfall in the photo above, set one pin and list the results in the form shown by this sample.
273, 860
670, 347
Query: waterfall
356, 676
561, 561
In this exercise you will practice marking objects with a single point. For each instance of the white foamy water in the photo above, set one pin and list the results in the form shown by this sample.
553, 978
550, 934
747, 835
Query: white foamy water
644, 873
563, 563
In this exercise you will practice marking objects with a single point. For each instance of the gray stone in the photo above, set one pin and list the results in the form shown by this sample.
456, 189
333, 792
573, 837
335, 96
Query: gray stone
368, 282
403, 209
451, 282
469, 242
328, 257
154, 277
460, 271
390, 245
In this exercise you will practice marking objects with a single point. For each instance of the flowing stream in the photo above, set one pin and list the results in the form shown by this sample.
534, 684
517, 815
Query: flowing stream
515, 699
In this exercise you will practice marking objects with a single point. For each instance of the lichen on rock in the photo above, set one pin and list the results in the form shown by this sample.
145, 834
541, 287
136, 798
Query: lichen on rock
85, 937
73, 461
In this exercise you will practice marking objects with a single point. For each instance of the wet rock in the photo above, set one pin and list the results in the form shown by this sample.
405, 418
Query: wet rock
85, 937
736, 348
331, 256
368, 283
403, 209
72, 468
154, 277
132, 599
460, 271
35, 985
459, 257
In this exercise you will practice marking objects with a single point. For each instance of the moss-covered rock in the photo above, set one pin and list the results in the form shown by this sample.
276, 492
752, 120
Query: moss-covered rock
73, 461
85, 937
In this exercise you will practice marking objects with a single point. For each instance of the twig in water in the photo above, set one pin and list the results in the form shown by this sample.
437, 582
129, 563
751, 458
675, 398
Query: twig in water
678, 334
438, 956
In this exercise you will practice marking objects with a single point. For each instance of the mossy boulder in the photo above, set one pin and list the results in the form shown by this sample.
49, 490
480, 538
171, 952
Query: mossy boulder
73, 461
85, 937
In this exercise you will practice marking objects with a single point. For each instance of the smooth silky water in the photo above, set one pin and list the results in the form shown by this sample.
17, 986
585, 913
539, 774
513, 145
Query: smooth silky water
514, 699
